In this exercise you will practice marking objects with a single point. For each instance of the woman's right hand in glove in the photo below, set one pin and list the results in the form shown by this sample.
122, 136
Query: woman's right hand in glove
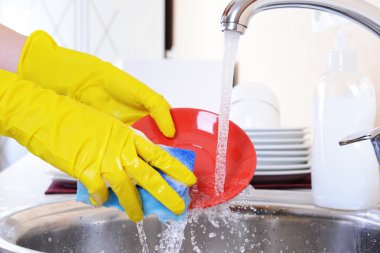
90, 145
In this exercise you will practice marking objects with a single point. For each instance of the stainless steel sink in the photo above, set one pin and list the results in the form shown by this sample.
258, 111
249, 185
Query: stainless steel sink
262, 221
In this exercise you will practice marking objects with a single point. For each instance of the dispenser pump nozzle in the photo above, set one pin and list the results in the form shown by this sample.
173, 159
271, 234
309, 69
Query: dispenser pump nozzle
342, 56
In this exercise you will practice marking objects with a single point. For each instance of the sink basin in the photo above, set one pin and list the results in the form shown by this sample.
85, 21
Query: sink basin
258, 221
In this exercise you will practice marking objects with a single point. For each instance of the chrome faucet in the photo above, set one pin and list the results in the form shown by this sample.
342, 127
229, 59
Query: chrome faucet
238, 13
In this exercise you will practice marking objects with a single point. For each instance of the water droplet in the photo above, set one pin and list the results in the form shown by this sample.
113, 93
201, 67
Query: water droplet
211, 235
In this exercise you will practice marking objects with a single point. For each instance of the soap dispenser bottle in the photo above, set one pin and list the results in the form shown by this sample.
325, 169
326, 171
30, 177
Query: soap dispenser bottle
343, 177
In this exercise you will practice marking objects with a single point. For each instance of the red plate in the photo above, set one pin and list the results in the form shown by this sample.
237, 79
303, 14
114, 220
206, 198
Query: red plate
197, 130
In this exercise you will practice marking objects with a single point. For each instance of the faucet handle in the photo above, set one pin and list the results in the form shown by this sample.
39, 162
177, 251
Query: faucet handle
372, 135
360, 136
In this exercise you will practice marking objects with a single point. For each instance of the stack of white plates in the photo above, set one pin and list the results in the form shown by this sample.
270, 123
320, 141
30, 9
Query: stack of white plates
281, 151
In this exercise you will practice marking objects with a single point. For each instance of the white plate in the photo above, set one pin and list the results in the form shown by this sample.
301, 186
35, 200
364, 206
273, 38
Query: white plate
277, 134
282, 173
281, 153
282, 161
283, 167
305, 146
278, 141
279, 129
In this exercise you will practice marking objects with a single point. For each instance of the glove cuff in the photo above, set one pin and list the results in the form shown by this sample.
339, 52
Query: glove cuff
53, 67
37, 45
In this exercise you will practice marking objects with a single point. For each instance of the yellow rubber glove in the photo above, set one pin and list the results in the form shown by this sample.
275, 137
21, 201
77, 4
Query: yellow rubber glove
91, 81
89, 145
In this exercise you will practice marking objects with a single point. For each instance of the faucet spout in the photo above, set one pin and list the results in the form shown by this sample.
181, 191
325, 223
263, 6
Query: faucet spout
238, 13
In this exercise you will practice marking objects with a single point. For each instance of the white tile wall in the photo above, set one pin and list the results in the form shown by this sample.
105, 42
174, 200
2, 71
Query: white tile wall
109, 29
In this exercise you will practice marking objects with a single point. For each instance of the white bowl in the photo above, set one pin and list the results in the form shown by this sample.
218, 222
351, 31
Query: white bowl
254, 91
249, 113
254, 106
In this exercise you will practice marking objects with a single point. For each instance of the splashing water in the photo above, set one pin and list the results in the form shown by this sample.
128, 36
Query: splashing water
174, 233
142, 237
219, 217
173, 236
231, 42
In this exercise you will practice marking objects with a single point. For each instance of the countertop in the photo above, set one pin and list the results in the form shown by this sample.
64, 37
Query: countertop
23, 184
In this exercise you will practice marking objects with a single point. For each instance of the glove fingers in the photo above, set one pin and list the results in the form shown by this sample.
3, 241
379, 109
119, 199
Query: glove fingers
159, 109
137, 96
149, 179
102, 100
159, 158
97, 189
144, 101
127, 193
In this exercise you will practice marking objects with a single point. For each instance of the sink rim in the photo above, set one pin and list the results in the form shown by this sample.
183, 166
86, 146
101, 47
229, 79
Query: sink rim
296, 202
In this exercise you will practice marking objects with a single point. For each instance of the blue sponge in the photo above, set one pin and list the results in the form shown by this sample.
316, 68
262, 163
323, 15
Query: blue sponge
152, 206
